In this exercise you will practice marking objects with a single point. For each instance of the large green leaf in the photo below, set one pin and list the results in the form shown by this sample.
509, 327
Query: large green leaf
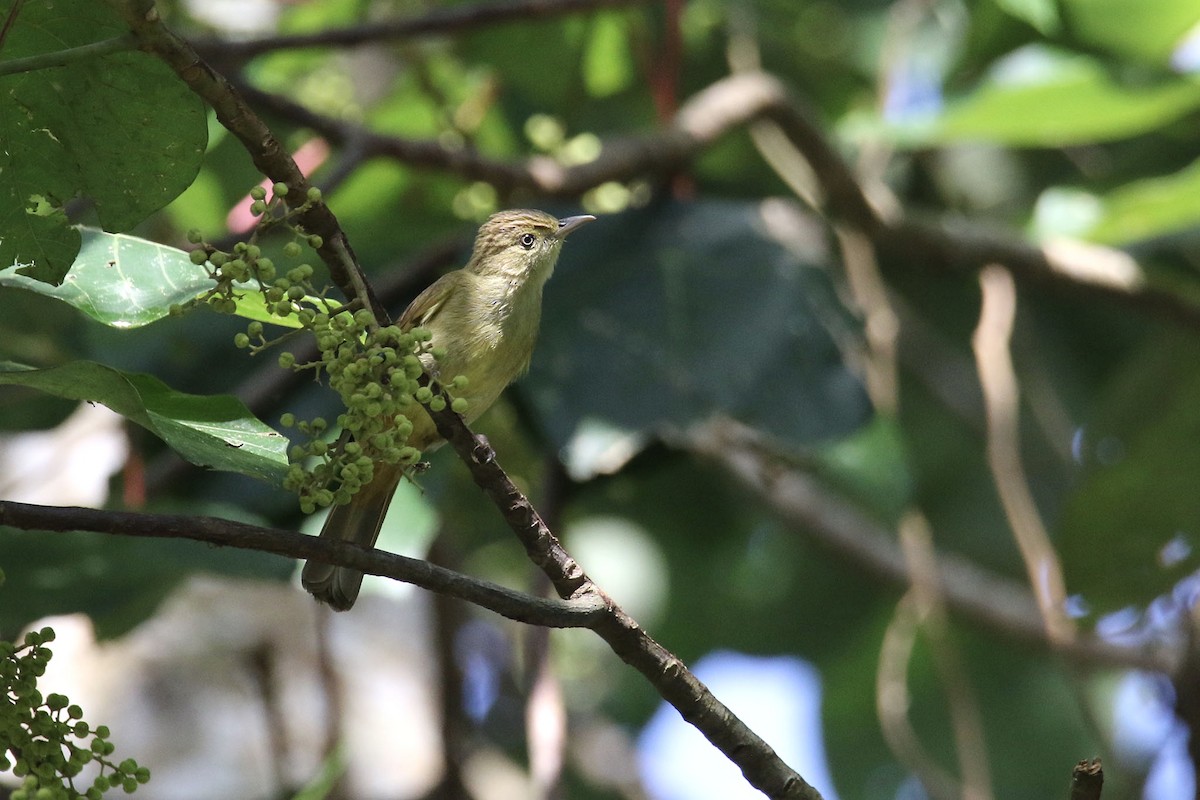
662, 317
121, 129
1040, 98
1148, 30
126, 282
122, 281
217, 431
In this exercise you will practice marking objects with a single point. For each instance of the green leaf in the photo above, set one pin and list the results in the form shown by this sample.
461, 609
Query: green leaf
607, 60
663, 317
121, 129
120, 280
1131, 528
1041, 14
1148, 30
1149, 207
216, 431
126, 282
1040, 98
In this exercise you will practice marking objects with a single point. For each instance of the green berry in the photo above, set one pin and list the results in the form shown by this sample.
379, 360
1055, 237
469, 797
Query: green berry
241, 341
437, 403
314, 194
258, 193
315, 242
258, 207
423, 395
198, 256
280, 189
287, 360
255, 328
194, 236
292, 250
287, 420
460, 405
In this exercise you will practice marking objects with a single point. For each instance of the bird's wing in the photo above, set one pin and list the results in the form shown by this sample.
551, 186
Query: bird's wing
427, 304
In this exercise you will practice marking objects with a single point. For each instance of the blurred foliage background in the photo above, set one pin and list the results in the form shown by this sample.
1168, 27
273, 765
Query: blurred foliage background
713, 316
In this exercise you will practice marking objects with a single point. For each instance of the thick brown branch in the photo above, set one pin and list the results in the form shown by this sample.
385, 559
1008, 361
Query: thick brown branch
435, 22
760, 765
582, 612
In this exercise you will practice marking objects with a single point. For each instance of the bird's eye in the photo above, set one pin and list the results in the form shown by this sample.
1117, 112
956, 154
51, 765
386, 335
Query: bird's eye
527, 240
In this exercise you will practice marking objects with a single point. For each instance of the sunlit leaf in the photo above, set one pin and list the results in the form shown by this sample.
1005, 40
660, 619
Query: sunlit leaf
215, 431
1149, 207
1148, 30
120, 280
607, 61
1037, 98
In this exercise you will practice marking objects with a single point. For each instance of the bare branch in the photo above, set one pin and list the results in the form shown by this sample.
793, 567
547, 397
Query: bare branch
577, 613
760, 765
437, 21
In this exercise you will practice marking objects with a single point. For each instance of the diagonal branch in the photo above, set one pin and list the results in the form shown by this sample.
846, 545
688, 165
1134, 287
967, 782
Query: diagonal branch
982, 596
760, 765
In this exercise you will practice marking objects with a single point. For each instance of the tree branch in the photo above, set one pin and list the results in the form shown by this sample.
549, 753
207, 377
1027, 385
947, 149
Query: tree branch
435, 22
582, 612
760, 765
738, 101
982, 596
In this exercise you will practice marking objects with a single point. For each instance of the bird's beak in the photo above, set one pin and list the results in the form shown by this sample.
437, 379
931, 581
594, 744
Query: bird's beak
569, 224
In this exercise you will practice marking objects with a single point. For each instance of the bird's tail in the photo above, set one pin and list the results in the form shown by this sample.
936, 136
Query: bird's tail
358, 521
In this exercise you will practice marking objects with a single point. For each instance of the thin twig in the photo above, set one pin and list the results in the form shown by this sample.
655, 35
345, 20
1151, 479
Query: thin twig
1087, 780
10, 20
760, 765
60, 58
1002, 402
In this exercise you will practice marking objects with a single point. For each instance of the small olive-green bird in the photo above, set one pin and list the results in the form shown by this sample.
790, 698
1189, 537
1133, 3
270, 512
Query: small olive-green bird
486, 317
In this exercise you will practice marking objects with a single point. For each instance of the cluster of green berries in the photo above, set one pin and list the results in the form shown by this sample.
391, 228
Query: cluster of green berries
375, 371
44, 740
245, 269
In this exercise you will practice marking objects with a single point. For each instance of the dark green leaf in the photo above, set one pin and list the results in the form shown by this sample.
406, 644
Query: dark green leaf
120, 129
217, 431
1131, 528
663, 317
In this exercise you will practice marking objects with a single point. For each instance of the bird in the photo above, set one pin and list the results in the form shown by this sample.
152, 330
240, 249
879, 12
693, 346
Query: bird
484, 320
